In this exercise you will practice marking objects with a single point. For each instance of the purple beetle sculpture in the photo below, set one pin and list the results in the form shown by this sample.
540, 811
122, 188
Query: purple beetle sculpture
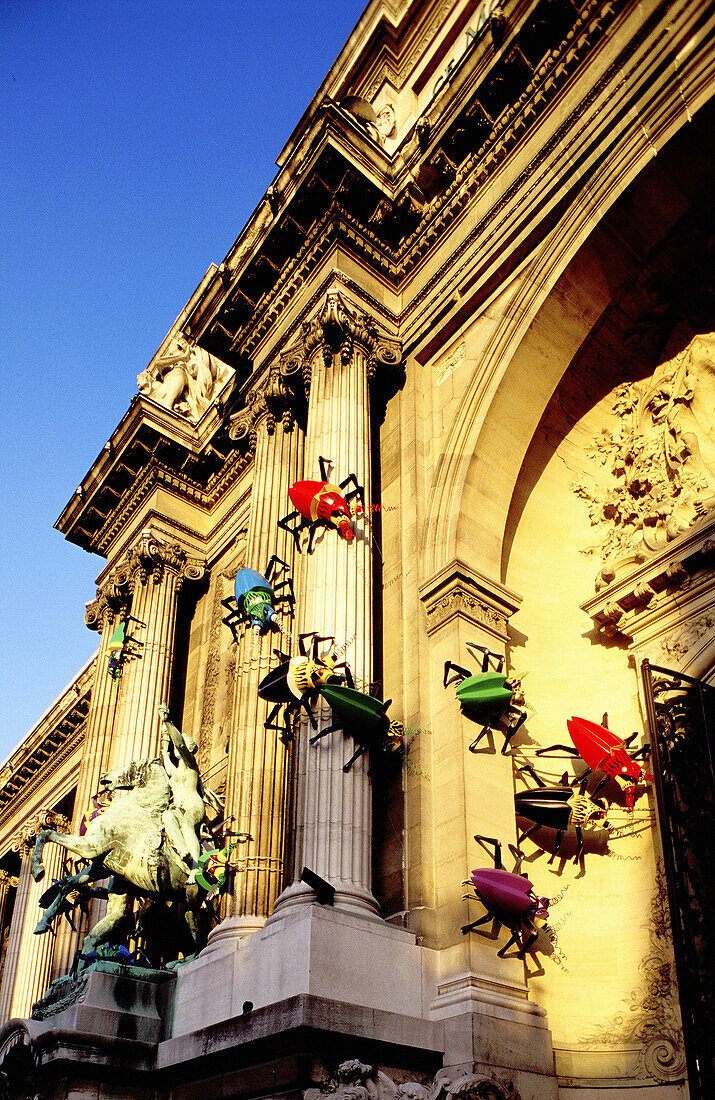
508, 897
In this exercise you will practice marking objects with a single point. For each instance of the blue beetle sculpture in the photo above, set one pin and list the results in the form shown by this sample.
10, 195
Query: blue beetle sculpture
258, 597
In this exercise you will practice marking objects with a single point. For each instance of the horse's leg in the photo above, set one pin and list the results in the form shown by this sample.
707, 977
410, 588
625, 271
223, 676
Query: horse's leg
83, 846
119, 909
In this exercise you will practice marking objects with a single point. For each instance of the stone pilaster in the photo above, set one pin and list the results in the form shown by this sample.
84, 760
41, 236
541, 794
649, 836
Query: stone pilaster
28, 962
256, 790
333, 811
156, 569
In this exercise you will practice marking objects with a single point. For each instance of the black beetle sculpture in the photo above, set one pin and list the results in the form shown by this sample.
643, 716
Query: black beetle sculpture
561, 808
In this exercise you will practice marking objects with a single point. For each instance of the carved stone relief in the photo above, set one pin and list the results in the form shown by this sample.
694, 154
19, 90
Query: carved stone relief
658, 464
354, 1080
186, 380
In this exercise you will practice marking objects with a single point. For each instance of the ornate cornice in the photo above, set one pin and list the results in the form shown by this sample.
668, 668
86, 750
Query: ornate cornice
458, 590
680, 574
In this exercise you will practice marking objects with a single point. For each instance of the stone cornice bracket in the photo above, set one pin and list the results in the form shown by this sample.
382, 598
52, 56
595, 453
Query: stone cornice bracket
668, 583
265, 404
25, 836
153, 556
458, 590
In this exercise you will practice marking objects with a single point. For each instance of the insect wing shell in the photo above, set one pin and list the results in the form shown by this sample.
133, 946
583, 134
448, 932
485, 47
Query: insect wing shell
303, 493
592, 742
548, 806
484, 693
273, 685
248, 580
352, 706
504, 893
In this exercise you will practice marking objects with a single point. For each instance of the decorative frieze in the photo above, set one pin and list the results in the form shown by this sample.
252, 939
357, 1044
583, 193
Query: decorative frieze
458, 590
658, 462
355, 1079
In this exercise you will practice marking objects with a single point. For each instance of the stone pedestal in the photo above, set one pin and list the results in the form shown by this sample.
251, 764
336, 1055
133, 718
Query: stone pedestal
316, 950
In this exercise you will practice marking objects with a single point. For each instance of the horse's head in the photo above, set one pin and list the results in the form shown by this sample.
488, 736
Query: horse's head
134, 775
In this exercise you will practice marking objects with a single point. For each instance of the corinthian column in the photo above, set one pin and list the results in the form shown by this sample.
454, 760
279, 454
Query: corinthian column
256, 790
28, 962
156, 569
333, 826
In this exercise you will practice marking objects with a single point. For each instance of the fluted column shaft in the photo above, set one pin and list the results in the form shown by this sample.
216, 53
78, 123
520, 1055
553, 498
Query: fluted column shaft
256, 791
33, 966
28, 962
333, 819
157, 569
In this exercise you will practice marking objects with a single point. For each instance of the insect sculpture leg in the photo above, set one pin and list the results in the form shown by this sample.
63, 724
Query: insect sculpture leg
557, 846
485, 730
533, 931
515, 938
323, 733
296, 530
466, 928
462, 673
512, 729
326, 466
358, 752
486, 654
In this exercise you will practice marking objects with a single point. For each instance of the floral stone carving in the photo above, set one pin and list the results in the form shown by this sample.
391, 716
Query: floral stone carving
659, 462
186, 380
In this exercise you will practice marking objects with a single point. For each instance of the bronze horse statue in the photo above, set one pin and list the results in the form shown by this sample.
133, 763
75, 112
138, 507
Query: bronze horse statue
129, 842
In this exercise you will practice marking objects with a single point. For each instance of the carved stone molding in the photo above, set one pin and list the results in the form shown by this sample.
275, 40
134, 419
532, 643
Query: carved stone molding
459, 590
657, 476
675, 584
113, 596
25, 836
7, 880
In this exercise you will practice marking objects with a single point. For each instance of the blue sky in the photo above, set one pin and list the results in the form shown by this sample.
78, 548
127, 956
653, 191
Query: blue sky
137, 136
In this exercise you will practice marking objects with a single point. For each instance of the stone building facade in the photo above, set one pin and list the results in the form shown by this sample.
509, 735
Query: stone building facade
479, 283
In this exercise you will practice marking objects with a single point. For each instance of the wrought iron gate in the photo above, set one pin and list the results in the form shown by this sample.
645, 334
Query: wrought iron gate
681, 717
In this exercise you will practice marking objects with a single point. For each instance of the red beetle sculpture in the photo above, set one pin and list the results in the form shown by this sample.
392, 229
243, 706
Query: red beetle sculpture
508, 898
605, 752
321, 504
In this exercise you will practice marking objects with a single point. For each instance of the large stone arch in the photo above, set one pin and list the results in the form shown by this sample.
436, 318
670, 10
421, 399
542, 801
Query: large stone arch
547, 312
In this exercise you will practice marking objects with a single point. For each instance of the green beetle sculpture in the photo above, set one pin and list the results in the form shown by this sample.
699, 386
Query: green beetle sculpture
361, 716
488, 696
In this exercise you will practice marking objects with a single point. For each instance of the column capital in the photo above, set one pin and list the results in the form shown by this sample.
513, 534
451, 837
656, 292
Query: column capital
154, 556
339, 327
25, 836
265, 404
112, 596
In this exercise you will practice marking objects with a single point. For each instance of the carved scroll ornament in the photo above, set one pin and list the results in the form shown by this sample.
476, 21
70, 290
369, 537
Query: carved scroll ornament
660, 461
186, 380
266, 404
